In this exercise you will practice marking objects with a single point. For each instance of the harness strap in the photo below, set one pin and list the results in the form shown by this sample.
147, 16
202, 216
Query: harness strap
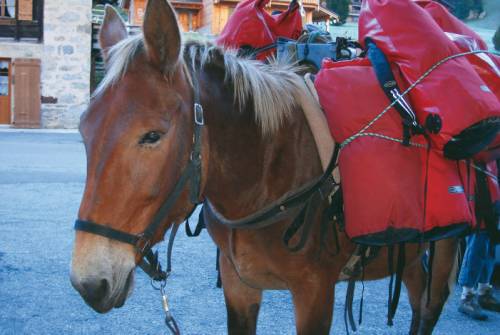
280, 208
486, 210
199, 226
348, 313
390, 264
399, 277
97, 229
430, 264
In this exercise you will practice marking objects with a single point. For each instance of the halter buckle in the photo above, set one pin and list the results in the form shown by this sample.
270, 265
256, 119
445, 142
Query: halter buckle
142, 244
198, 114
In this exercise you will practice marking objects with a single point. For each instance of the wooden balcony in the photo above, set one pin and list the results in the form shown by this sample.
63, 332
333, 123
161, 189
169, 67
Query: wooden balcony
279, 3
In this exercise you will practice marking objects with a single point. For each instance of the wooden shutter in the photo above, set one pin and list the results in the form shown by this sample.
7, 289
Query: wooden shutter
26, 10
26, 93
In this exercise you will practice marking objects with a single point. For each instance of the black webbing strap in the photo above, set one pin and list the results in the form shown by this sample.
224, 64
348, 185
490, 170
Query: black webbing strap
305, 219
160, 215
327, 220
391, 89
363, 262
390, 264
432, 249
198, 229
217, 268
150, 264
348, 312
276, 210
97, 229
399, 277
486, 210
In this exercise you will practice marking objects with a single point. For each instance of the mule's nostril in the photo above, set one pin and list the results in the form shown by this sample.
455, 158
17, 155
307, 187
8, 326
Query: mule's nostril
94, 290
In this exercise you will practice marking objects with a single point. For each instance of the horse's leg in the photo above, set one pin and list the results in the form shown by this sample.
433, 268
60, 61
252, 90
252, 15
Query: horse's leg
242, 301
414, 280
313, 301
444, 267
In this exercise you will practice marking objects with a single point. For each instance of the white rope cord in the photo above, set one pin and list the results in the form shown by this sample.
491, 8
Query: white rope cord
495, 178
412, 86
385, 137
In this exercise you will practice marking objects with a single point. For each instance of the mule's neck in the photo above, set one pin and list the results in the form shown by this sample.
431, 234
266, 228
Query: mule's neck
248, 170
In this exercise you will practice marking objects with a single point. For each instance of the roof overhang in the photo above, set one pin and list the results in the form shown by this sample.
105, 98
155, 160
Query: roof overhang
322, 13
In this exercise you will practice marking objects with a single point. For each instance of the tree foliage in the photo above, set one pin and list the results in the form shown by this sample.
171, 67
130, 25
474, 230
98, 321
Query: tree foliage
462, 8
496, 39
341, 7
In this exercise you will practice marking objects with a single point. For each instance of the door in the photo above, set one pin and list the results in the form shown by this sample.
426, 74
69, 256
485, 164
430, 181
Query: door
26, 93
5, 91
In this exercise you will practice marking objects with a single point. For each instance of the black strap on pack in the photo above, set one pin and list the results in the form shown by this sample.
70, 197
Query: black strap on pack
391, 89
486, 210
399, 277
348, 312
430, 264
305, 220
217, 268
390, 265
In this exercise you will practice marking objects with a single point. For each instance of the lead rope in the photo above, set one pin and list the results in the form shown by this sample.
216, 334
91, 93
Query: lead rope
160, 285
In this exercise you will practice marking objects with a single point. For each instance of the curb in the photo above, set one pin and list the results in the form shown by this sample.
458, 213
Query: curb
8, 129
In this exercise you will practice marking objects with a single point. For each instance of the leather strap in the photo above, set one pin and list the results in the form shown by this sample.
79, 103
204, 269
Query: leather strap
97, 229
281, 208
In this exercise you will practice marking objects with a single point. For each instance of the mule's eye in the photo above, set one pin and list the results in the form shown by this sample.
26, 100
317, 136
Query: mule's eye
150, 137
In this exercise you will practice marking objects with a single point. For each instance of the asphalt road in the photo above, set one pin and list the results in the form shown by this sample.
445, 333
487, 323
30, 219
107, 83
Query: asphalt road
41, 182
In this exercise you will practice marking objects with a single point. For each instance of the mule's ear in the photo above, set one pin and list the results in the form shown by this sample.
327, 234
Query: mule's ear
161, 35
112, 31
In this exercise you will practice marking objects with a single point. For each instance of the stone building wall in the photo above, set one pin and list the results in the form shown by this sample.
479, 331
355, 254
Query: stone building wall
65, 62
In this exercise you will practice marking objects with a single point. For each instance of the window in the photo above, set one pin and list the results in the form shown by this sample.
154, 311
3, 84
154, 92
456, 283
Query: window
4, 78
21, 19
8, 8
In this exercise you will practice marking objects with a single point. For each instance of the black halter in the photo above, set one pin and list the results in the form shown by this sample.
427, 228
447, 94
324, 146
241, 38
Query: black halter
192, 174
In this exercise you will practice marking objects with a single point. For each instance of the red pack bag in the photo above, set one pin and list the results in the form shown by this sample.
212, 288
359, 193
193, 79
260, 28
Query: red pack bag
392, 193
464, 115
486, 65
251, 26
448, 22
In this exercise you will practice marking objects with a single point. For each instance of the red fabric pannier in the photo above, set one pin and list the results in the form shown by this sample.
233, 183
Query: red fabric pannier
392, 193
251, 26
448, 22
486, 65
411, 39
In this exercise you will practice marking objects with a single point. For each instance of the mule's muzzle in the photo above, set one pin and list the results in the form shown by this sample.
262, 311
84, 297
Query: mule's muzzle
98, 293
95, 292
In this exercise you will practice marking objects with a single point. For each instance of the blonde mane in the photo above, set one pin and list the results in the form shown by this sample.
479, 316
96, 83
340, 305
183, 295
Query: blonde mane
274, 89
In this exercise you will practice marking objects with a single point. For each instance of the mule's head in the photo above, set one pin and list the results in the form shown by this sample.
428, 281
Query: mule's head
137, 132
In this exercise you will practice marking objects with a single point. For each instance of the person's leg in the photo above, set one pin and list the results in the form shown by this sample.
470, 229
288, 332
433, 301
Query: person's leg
486, 298
469, 274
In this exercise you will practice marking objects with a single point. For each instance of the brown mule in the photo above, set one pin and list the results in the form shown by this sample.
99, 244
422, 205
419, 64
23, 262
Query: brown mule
256, 146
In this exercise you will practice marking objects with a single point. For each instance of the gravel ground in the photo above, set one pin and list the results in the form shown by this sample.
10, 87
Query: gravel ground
41, 181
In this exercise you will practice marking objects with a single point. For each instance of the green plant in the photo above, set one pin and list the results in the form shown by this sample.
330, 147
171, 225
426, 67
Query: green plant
341, 7
496, 39
462, 8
